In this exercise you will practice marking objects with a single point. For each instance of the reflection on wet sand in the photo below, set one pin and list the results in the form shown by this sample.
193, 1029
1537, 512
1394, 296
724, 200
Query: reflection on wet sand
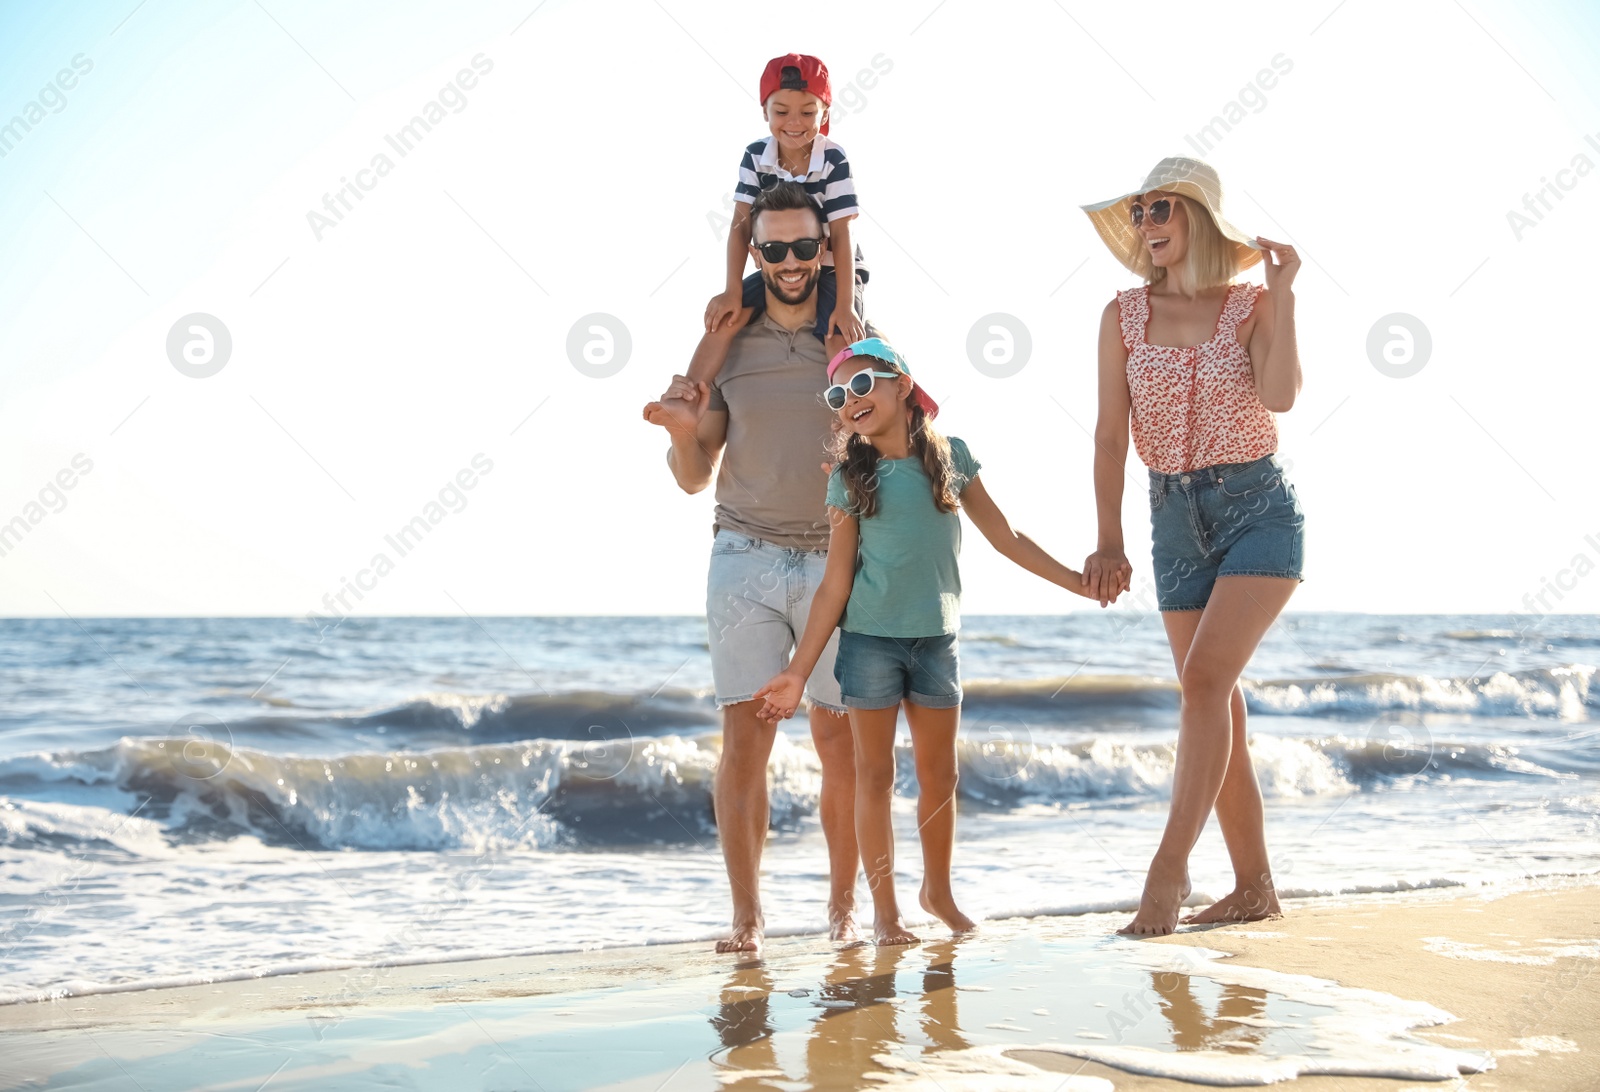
825, 1029
1195, 1029
940, 1023
854, 1017
744, 1019
857, 1020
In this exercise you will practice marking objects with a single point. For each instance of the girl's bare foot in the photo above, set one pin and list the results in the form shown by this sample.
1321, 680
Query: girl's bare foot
1164, 892
743, 937
945, 909
1242, 904
842, 926
885, 933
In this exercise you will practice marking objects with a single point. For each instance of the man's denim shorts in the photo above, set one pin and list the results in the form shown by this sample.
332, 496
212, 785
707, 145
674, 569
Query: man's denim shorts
1233, 519
758, 597
878, 672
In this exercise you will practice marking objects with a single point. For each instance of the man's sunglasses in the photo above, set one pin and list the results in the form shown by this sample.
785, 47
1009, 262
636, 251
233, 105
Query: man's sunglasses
804, 249
1160, 212
860, 385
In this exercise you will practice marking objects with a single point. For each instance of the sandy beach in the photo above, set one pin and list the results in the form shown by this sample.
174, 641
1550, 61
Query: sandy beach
1493, 989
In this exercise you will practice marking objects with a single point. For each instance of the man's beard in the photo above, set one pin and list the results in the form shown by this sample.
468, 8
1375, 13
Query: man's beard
801, 294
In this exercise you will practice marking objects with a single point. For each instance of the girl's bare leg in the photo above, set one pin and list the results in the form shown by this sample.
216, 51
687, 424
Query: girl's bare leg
933, 743
874, 735
1239, 809
1236, 617
830, 735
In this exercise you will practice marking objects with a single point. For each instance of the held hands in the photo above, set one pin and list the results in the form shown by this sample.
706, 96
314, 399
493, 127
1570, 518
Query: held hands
1106, 575
682, 407
723, 306
1282, 264
782, 694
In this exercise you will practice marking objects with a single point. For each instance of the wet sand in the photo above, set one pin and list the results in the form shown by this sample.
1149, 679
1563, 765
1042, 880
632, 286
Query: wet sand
1518, 971
1367, 985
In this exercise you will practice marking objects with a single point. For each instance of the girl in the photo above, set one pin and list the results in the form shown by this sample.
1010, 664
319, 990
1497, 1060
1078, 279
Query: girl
1199, 364
892, 575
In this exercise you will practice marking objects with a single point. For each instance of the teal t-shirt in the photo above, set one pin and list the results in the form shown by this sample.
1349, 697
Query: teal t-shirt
907, 583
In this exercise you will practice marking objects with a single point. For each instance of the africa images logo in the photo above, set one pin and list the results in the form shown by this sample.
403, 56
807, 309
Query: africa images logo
451, 99
52, 97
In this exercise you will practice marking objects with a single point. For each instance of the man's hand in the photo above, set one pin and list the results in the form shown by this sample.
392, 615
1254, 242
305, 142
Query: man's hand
782, 694
723, 306
681, 408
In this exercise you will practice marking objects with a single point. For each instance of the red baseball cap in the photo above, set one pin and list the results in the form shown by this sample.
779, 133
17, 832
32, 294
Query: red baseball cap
797, 72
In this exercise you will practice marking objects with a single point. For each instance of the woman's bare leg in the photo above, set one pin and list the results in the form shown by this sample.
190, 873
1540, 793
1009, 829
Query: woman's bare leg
933, 743
874, 735
1239, 809
1236, 617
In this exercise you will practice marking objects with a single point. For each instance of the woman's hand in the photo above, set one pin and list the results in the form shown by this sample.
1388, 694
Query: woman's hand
782, 694
1106, 575
1282, 264
723, 307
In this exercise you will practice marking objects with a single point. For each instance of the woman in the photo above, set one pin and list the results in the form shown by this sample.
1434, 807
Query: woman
1198, 365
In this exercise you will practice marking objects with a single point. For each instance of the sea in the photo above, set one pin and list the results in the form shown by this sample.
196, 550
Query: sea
197, 800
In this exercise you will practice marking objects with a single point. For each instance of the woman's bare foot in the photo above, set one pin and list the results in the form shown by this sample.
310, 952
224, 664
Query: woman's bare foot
1164, 892
885, 933
945, 909
743, 937
1242, 904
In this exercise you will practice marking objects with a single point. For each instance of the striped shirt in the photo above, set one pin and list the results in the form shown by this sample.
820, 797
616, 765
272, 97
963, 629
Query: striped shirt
827, 179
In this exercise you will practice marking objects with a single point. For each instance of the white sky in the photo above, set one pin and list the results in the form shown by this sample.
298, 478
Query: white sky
368, 368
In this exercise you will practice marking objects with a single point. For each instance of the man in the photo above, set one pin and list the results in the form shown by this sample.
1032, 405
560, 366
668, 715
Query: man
764, 419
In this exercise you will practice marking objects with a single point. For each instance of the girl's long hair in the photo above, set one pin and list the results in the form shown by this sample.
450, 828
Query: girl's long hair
858, 462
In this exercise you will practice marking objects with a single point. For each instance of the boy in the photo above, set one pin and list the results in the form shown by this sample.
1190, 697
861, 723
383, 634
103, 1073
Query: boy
795, 96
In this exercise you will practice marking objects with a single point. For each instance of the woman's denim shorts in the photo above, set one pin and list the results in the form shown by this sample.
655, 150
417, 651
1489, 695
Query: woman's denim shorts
1233, 519
878, 672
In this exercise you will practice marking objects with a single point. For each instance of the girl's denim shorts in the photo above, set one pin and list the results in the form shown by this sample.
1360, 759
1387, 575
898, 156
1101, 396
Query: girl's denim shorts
880, 672
1233, 519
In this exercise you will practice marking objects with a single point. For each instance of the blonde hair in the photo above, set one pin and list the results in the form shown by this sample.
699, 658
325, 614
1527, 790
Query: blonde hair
1211, 258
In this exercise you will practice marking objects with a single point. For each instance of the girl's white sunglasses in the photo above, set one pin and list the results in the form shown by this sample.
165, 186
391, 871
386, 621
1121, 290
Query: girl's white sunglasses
860, 385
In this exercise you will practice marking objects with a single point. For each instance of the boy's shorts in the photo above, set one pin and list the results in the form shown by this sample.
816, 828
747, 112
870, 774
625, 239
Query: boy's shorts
880, 672
755, 295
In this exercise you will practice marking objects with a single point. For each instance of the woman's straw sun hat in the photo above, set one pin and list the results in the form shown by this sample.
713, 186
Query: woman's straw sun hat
1176, 174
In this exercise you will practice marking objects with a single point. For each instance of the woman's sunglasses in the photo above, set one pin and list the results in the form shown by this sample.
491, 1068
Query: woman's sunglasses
860, 385
1160, 212
804, 249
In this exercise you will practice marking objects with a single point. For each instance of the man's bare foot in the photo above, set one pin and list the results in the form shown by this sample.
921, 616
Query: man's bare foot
1242, 904
945, 909
842, 926
885, 933
745, 937
1164, 892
